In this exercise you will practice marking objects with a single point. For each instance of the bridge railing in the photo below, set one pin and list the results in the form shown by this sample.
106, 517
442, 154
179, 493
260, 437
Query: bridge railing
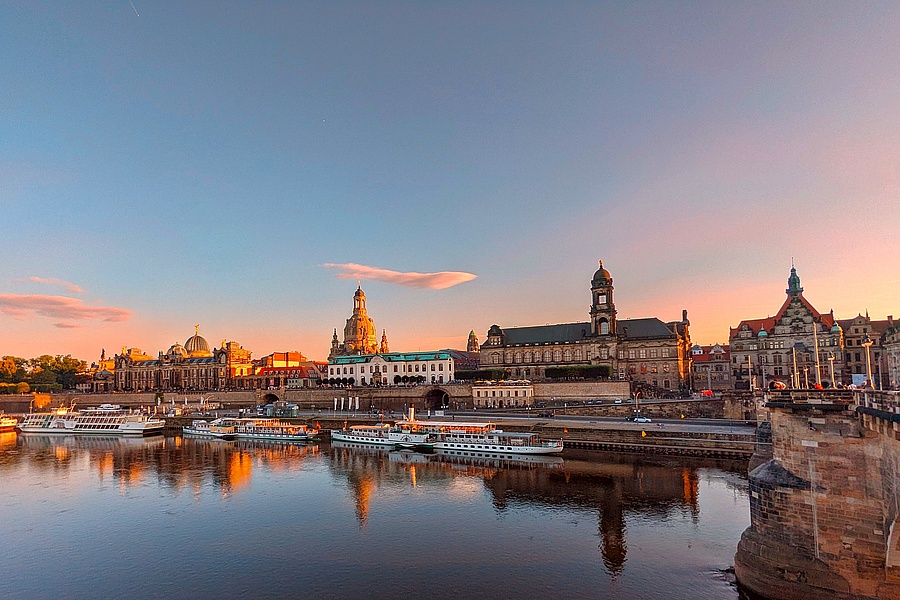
809, 396
878, 400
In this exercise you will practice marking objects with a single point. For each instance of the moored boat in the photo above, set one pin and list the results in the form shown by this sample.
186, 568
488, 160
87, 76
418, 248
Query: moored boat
269, 429
481, 437
105, 421
384, 434
7, 423
213, 429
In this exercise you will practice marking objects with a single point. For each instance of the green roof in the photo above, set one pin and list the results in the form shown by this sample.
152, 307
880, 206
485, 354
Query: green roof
390, 357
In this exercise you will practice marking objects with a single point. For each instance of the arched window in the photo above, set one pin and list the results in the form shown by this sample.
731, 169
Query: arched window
547, 356
528, 356
567, 355
578, 355
518, 357
604, 327
495, 358
557, 355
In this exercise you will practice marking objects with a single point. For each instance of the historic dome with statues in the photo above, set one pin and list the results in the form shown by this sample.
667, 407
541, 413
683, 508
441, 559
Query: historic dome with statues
360, 336
196, 346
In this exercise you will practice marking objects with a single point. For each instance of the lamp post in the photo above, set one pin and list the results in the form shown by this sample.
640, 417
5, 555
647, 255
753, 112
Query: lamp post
806, 377
867, 343
831, 361
816, 343
796, 372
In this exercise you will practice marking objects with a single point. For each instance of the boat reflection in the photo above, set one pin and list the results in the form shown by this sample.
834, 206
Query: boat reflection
178, 463
616, 488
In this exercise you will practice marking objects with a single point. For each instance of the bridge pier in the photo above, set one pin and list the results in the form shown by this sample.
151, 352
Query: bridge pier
823, 509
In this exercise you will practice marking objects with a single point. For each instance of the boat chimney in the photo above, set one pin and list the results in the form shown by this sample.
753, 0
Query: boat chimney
412, 413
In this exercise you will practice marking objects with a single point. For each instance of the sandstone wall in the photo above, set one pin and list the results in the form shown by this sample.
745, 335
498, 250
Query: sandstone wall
821, 508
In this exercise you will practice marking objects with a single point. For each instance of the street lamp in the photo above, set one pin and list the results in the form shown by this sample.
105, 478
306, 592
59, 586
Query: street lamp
867, 343
806, 377
831, 361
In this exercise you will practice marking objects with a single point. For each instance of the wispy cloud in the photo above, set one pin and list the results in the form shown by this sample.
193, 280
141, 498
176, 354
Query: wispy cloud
21, 306
68, 325
68, 285
431, 281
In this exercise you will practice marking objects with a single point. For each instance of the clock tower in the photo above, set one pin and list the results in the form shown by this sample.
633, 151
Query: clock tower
603, 310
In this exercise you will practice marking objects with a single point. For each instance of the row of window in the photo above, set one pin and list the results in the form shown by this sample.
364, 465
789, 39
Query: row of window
377, 369
499, 393
568, 355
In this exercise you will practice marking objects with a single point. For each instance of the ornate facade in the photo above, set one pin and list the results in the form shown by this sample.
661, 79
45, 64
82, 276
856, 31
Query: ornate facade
712, 367
858, 333
892, 354
191, 367
649, 351
360, 336
392, 368
799, 346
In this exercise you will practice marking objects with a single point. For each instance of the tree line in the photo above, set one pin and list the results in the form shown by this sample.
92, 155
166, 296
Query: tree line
43, 373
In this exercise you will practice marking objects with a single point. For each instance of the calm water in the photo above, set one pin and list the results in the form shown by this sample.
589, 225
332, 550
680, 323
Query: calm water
185, 518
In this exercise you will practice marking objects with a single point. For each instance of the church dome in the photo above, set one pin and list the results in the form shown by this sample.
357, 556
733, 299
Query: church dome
601, 275
835, 328
177, 348
197, 345
762, 333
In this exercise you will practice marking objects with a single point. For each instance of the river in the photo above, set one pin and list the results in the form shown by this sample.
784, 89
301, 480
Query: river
98, 517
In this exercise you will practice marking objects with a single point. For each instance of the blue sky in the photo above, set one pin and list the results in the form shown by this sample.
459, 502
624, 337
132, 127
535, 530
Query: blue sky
200, 162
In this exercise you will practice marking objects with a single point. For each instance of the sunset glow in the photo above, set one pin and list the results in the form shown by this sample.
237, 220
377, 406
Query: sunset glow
468, 165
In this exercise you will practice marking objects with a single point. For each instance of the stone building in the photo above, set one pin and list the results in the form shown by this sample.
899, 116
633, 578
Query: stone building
784, 347
191, 367
712, 367
891, 342
509, 393
360, 336
392, 368
858, 332
649, 351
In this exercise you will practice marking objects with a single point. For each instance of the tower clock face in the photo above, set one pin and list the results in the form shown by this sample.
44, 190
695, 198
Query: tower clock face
601, 298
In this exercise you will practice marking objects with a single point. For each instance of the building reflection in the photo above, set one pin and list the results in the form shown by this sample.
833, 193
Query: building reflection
616, 488
176, 462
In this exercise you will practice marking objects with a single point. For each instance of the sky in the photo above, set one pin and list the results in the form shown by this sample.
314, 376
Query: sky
241, 165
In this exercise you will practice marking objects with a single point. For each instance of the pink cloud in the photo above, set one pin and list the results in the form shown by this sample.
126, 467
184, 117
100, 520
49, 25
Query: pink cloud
21, 306
431, 281
68, 325
68, 285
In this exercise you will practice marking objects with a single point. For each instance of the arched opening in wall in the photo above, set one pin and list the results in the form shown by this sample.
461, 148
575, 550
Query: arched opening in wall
270, 399
437, 399
603, 329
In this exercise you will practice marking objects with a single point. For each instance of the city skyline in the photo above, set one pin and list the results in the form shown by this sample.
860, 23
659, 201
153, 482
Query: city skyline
242, 167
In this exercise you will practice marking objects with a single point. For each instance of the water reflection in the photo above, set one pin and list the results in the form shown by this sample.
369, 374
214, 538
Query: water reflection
586, 525
174, 462
614, 487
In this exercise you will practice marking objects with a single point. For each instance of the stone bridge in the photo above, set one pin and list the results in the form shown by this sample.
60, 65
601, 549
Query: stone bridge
825, 508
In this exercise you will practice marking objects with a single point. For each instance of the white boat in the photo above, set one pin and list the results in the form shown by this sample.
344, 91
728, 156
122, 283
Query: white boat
384, 434
7, 423
213, 429
480, 437
269, 429
91, 421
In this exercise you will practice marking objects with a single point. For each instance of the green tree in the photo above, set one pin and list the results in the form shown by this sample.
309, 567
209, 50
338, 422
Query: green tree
16, 370
22, 388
